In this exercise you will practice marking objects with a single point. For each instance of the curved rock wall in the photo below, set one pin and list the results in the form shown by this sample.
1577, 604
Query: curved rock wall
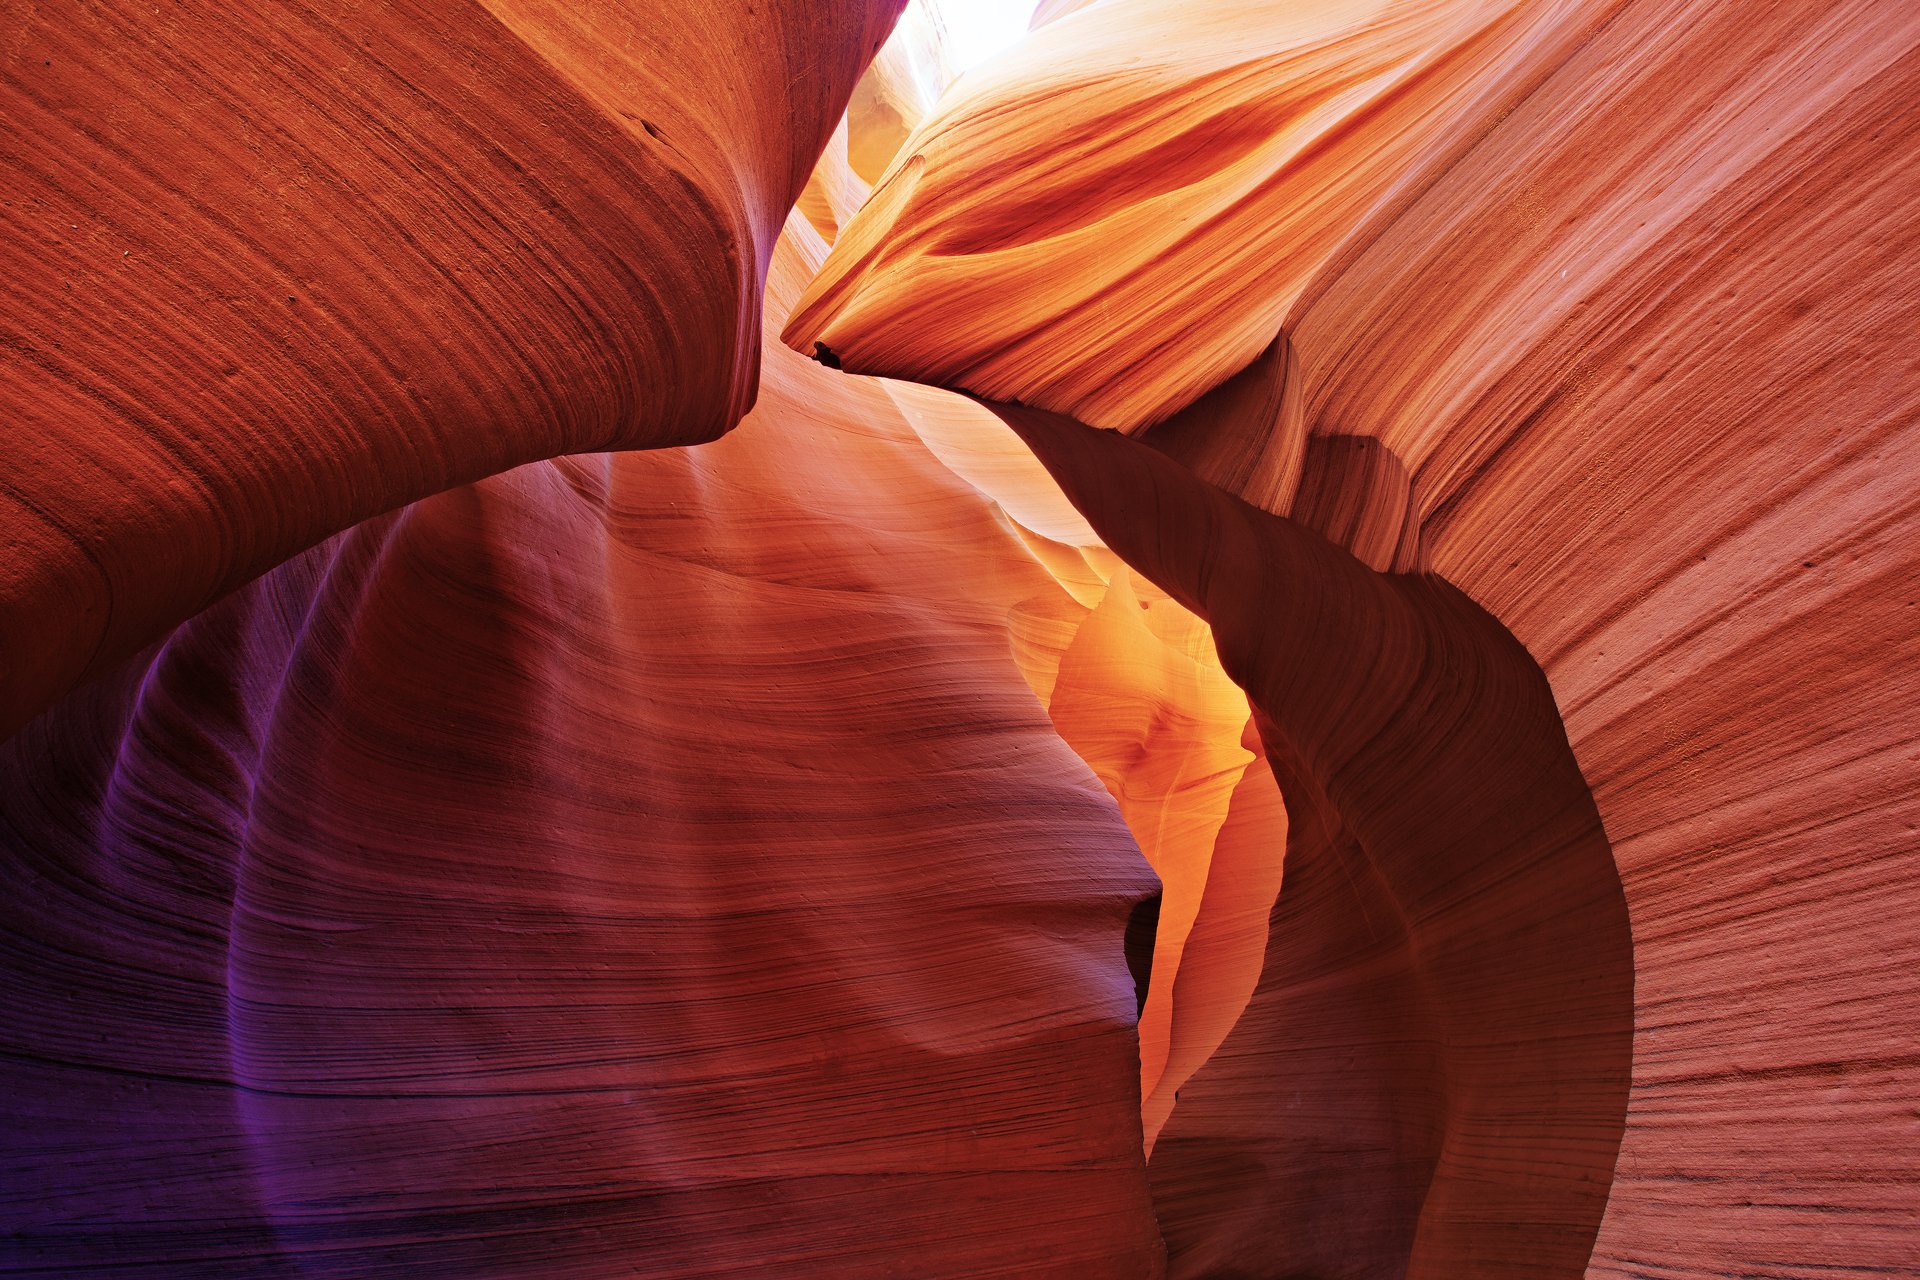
1616, 322
1439, 802
646, 863
1456, 1106
273, 270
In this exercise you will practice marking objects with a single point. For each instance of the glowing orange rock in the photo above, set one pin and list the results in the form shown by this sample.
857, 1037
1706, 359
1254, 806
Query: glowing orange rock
1124, 209
1135, 689
1415, 742
1598, 312
643, 861
675, 863
1148, 707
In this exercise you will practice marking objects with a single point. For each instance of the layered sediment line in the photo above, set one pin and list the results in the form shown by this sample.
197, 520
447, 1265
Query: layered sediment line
1612, 338
266, 272
642, 863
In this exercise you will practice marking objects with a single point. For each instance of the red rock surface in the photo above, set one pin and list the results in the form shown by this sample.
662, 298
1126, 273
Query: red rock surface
1183, 173
272, 269
1438, 803
1446, 1006
1621, 322
639, 860
648, 863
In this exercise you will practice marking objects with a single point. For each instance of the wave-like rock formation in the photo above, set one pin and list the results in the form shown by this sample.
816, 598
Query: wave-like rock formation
1447, 1004
273, 270
640, 863
1343, 706
1596, 312
1200, 169
642, 860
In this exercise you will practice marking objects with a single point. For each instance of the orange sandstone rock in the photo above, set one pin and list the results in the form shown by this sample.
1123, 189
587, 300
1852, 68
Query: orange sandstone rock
1123, 210
729, 860
1596, 311
1485, 1018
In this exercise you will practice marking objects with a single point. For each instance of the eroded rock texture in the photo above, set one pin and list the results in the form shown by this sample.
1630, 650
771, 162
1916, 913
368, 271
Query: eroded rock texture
1446, 1004
273, 269
631, 864
1600, 313
1429, 793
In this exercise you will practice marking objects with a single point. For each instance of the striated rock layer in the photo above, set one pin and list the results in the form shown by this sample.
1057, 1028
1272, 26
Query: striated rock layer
1598, 312
1049, 199
1456, 1075
648, 863
270, 270
1437, 802
1130, 678
630, 861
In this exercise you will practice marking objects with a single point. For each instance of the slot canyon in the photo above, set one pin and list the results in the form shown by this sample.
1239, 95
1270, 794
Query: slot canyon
1235, 640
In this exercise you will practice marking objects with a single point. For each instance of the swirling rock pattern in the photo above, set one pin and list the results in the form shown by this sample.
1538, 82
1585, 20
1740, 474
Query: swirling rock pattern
1472, 1112
1202, 164
1619, 315
273, 269
413, 907
649, 863
1439, 802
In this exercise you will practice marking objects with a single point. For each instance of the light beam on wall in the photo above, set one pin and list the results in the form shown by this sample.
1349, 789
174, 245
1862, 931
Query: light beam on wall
978, 29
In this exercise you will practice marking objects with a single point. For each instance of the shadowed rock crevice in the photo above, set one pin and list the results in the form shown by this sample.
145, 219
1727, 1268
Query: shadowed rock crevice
1142, 924
1432, 1078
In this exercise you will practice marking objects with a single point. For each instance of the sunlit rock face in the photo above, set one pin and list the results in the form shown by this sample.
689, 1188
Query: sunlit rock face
1596, 312
1428, 791
1433, 1076
658, 861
